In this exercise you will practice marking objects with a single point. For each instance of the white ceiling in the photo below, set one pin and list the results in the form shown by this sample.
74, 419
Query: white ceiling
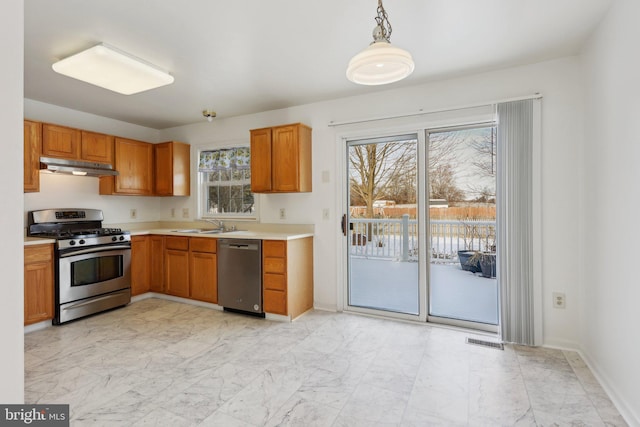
240, 57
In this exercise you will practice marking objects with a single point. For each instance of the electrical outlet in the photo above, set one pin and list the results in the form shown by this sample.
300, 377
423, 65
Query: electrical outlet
559, 300
133, 214
325, 214
185, 212
173, 212
283, 213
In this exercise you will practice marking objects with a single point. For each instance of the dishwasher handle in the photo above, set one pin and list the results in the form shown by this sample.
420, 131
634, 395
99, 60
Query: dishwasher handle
239, 245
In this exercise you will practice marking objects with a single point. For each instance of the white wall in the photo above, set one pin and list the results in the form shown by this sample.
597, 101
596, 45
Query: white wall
11, 254
611, 286
560, 83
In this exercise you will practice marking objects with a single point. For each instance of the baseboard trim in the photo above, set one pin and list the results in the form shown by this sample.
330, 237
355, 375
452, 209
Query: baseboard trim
626, 410
37, 326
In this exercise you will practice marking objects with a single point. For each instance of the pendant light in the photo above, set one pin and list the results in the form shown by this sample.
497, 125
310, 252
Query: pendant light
381, 62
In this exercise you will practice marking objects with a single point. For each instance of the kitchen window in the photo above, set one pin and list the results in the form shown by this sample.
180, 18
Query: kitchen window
225, 183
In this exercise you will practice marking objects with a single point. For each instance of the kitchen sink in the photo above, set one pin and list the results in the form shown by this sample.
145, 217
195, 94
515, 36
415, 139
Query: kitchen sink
198, 230
240, 233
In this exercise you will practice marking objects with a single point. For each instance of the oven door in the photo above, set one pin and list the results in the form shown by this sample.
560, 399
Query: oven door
88, 272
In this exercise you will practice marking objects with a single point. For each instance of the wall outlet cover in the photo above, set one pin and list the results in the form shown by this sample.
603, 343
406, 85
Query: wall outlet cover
559, 300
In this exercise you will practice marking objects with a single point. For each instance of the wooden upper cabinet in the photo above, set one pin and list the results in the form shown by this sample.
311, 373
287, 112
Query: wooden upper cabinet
172, 171
96, 147
281, 159
261, 160
60, 141
32, 148
75, 144
134, 163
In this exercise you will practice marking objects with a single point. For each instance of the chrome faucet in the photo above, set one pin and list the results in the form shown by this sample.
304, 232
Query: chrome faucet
214, 221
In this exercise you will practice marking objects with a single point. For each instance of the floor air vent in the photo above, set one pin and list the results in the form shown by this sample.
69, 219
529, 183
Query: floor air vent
490, 344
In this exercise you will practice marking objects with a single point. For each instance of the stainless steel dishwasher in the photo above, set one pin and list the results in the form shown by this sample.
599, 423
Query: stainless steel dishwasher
240, 275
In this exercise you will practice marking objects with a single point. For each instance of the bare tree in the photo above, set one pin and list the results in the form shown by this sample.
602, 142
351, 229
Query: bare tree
442, 183
375, 169
442, 148
484, 161
485, 148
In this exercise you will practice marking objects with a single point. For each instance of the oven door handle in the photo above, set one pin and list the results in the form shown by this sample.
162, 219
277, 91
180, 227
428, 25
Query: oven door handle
95, 250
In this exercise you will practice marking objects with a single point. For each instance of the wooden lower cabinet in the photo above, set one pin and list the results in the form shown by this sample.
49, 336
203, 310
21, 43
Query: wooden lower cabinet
187, 267
176, 266
140, 265
38, 283
203, 269
287, 277
156, 262
191, 268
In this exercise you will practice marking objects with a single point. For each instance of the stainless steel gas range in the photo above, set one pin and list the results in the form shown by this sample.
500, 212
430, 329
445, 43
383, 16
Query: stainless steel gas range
92, 263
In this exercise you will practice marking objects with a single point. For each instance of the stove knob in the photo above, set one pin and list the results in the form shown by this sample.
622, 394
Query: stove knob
114, 239
72, 242
121, 238
82, 242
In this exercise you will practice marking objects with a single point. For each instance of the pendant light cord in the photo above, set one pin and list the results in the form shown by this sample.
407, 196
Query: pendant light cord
382, 31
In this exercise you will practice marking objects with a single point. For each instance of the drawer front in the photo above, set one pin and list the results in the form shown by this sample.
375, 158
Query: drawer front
275, 282
203, 244
274, 248
177, 243
38, 253
275, 302
274, 265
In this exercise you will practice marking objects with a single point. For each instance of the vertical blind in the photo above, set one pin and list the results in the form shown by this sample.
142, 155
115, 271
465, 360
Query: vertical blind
515, 225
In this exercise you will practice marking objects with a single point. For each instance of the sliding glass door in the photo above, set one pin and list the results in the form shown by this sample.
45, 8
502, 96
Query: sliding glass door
421, 226
463, 288
381, 225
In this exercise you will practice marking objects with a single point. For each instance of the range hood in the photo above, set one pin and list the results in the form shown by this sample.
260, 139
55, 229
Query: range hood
76, 167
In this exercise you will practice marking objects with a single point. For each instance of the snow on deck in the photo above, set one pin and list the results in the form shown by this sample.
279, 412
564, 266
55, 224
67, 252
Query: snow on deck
393, 286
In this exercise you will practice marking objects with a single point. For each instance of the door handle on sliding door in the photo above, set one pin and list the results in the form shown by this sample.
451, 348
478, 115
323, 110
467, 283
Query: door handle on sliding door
344, 224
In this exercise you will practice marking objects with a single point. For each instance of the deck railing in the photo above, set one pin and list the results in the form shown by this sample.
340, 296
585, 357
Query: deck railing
398, 238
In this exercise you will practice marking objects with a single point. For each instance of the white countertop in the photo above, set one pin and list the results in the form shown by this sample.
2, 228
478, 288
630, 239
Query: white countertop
240, 234
29, 241
261, 231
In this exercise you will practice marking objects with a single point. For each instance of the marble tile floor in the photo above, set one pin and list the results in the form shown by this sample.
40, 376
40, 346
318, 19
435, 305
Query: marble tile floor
163, 363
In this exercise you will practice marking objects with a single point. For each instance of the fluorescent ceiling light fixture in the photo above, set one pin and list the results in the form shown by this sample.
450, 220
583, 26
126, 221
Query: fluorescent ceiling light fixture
381, 62
113, 69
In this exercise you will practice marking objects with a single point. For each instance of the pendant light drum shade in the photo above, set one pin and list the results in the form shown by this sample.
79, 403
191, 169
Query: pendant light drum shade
380, 63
